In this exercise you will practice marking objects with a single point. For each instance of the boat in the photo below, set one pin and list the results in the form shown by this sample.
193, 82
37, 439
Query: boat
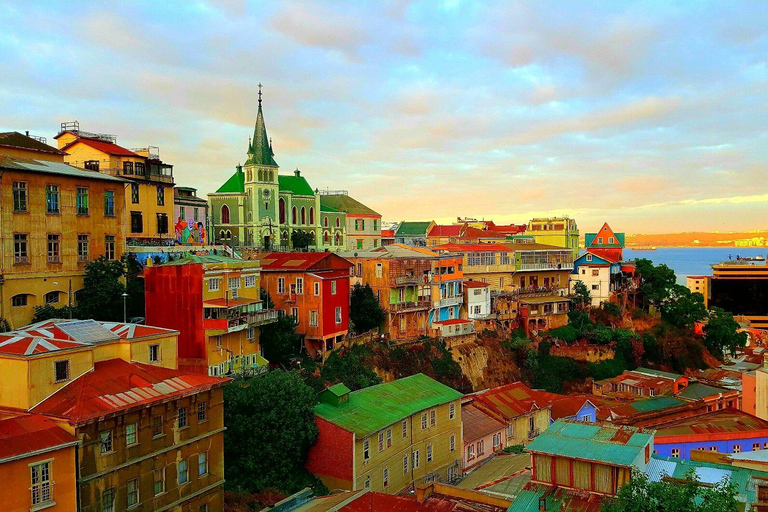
751, 258
642, 248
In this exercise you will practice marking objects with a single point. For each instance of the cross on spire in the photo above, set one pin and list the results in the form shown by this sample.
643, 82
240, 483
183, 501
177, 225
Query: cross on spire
259, 93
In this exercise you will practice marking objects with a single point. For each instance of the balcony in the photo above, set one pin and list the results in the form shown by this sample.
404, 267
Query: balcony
412, 280
545, 266
533, 433
410, 306
449, 301
263, 317
233, 315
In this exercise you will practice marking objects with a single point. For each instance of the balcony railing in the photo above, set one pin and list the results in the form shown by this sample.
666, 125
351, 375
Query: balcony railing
533, 433
263, 317
449, 301
410, 306
545, 266
409, 280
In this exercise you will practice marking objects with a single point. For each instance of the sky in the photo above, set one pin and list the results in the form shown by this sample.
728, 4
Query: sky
652, 116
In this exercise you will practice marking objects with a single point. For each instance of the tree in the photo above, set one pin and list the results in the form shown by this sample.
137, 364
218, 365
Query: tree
720, 333
350, 368
301, 240
102, 295
682, 308
365, 312
580, 297
642, 495
134, 287
270, 423
280, 341
655, 281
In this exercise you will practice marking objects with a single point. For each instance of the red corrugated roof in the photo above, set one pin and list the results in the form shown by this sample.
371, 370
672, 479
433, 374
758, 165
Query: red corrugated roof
508, 401
229, 302
106, 147
453, 321
453, 230
477, 423
472, 247
116, 385
387, 233
31, 433
291, 261
475, 284
472, 233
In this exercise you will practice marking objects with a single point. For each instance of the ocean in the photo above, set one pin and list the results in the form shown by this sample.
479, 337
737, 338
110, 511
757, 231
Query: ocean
693, 261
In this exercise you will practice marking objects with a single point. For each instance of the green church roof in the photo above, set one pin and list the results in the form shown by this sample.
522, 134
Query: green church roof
260, 151
235, 184
371, 409
296, 184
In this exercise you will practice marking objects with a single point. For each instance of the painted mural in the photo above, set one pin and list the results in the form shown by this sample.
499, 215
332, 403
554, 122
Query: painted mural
189, 232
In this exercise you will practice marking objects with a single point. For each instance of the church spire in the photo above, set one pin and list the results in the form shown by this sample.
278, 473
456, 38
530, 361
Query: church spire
260, 148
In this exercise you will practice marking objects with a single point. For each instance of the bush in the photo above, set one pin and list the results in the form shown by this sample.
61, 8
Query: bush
603, 335
515, 448
566, 333
611, 308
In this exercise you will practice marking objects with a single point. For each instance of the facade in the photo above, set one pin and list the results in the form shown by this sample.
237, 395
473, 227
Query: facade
56, 218
597, 459
477, 298
259, 208
37, 464
313, 287
741, 288
389, 437
699, 284
215, 304
387, 237
148, 180
597, 273
150, 437
19, 145
190, 214
484, 435
516, 406
557, 231
363, 229
413, 233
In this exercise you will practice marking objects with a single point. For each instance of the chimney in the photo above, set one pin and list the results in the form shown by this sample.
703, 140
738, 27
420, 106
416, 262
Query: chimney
297, 173
27, 133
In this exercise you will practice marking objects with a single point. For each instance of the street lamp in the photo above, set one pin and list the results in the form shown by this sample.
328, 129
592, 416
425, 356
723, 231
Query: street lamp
125, 307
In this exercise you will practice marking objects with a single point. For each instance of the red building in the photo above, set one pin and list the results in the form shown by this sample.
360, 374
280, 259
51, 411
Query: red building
313, 287
605, 243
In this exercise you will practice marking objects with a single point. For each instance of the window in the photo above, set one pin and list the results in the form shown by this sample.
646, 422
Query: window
424, 421
105, 441
195, 214
676, 452
20, 248
108, 500
316, 288
595, 272
366, 449
109, 247
137, 222
250, 333
157, 425
183, 472
367, 484
83, 246
109, 203
359, 272
313, 318
61, 370
755, 447
359, 244
386, 477
375, 228
737, 448
225, 214
202, 464
451, 411
362, 225
429, 452
41, 483
127, 167
480, 447
600, 240
159, 481
162, 223
405, 429
610, 240
303, 215
19, 300
379, 269
202, 411
54, 248
294, 215
213, 284
52, 198
381, 441
19, 196
589, 257
91, 165
300, 286
280, 285
531, 423
160, 196
471, 452
432, 418
130, 434
81, 201
333, 287
416, 462
595, 287
453, 443
233, 283
181, 213
250, 281
713, 448
405, 465
181, 417
133, 492
389, 438
295, 313
52, 297
338, 315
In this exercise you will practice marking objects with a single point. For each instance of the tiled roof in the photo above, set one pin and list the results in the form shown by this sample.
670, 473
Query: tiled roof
454, 230
235, 184
101, 145
347, 204
297, 185
611, 444
116, 385
301, 261
42, 166
716, 425
371, 409
54, 335
30, 434
413, 228
477, 423
19, 140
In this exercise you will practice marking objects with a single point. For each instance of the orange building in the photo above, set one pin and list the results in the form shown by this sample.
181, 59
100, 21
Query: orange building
313, 287
37, 464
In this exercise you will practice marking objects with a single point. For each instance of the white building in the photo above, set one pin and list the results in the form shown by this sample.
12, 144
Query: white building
478, 299
595, 272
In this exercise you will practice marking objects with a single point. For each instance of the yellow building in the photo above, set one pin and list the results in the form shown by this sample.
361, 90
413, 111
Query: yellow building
54, 220
699, 284
215, 303
148, 186
557, 231
389, 437
150, 436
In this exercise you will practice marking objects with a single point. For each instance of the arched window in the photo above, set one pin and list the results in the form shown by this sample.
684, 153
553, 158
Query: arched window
303, 216
271, 176
325, 222
281, 206
229, 234
261, 175
249, 175
313, 236
225, 214
338, 222
285, 236
326, 237
338, 238
311, 216
221, 235
294, 215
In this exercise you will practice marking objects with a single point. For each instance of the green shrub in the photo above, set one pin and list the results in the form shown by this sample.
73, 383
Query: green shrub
566, 333
515, 448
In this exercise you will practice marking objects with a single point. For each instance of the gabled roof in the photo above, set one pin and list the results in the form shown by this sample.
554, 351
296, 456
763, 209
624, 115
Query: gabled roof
19, 140
611, 444
302, 261
413, 228
346, 204
116, 385
32, 434
724, 424
590, 239
297, 185
597, 259
58, 168
454, 230
235, 184
260, 151
477, 423
697, 391
472, 233
104, 146
371, 409
508, 401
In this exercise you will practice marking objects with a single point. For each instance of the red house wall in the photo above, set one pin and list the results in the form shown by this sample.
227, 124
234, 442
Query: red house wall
331, 457
173, 297
331, 302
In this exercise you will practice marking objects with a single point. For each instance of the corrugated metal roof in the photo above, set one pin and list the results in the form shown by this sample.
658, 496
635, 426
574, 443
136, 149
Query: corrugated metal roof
346, 204
30, 165
413, 228
656, 404
697, 390
371, 409
722, 424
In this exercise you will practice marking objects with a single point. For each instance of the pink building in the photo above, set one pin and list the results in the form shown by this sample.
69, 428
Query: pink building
483, 435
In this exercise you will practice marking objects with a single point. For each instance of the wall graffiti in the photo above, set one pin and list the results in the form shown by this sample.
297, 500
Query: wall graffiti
189, 232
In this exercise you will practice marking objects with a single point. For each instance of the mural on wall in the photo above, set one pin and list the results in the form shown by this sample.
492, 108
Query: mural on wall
189, 232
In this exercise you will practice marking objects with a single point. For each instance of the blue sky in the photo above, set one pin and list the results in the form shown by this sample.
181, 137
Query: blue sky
650, 115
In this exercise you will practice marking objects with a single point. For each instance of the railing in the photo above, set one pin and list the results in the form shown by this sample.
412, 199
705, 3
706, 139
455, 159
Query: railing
409, 280
533, 433
263, 317
545, 266
449, 301
407, 306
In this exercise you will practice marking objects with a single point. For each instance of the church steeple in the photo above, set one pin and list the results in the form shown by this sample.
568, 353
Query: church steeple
260, 147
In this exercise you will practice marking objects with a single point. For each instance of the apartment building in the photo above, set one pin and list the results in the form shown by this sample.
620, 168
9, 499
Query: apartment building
363, 224
557, 231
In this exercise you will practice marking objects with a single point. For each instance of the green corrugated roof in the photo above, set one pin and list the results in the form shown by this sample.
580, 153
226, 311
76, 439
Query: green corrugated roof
346, 204
371, 409
235, 184
656, 404
591, 442
296, 184
338, 389
326, 208
30, 165
413, 228
698, 390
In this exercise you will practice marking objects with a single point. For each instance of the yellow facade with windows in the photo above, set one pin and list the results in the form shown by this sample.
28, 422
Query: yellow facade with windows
519, 428
557, 231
